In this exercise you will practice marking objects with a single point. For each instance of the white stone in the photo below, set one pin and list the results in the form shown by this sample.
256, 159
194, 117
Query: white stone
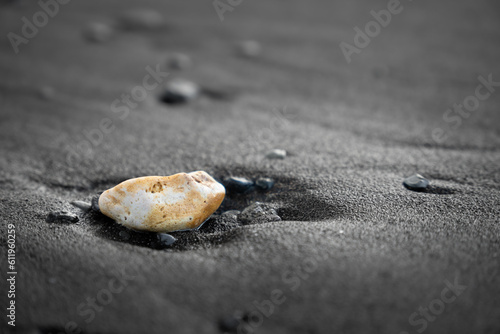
163, 203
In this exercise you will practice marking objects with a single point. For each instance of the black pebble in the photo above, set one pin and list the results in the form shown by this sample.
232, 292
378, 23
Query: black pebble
238, 184
61, 217
264, 183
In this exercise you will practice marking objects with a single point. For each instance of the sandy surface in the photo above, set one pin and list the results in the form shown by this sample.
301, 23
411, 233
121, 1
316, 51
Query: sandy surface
355, 252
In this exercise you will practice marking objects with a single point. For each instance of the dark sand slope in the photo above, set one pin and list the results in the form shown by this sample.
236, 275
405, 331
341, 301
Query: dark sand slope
356, 252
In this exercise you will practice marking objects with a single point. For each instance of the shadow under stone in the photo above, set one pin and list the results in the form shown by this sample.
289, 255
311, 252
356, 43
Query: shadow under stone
440, 190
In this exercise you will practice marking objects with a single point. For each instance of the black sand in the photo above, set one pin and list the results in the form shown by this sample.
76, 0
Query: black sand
356, 252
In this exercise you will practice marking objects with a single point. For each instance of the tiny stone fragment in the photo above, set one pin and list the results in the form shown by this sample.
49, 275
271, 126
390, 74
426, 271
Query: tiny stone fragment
416, 182
61, 217
259, 213
238, 184
276, 154
264, 183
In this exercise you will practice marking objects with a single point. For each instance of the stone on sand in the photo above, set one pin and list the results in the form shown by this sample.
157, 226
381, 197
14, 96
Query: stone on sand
276, 154
179, 91
416, 182
163, 203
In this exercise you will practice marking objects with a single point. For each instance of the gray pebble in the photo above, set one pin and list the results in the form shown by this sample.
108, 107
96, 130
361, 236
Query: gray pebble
416, 182
276, 154
259, 213
180, 91
61, 217
264, 183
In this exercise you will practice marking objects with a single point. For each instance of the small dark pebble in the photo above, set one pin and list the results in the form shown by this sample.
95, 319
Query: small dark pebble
61, 217
165, 240
264, 183
238, 184
416, 182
